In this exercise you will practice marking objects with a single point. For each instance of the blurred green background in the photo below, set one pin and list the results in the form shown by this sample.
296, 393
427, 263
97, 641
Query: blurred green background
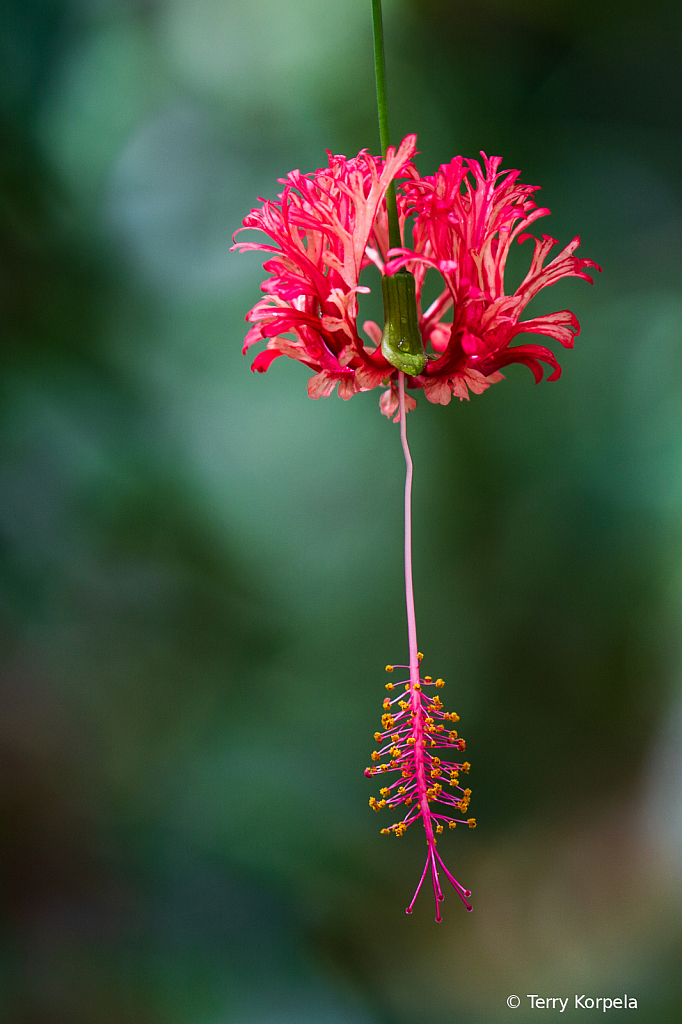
201, 569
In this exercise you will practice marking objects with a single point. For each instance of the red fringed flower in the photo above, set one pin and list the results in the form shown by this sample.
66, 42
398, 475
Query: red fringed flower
329, 225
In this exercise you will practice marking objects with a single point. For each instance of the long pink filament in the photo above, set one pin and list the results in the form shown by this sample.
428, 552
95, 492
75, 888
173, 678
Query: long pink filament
418, 726
409, 592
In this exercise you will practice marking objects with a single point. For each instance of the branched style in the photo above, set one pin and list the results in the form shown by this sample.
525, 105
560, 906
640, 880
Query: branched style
418, 741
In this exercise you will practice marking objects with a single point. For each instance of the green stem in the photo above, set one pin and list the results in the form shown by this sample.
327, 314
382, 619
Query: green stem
394, 239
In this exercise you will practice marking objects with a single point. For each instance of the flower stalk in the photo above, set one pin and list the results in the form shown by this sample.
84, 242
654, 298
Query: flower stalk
382, 104
401, 342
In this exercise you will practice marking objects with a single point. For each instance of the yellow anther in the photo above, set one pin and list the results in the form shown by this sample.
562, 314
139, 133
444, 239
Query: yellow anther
466, 766
378, 735
440, 682
437, 702
395, 752
467, 792
437, 788
395, 738
383, 767
407, 801
428, 679
428, 720
374, 804
471, 822
433, 743
384, 792
435, 760
452, 736
387, 702
420, 655
381, 803
417, 686
389, 668
402, 790
387, 722
406, 773
390, 686
411, 740
453, 824
403, 704
439, 828
454, 717
385, 831
376, 756
435, 772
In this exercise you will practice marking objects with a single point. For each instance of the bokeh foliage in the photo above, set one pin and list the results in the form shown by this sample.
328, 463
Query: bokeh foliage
201, 575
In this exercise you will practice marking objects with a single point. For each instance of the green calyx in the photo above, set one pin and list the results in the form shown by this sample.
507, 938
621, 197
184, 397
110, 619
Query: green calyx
401, 344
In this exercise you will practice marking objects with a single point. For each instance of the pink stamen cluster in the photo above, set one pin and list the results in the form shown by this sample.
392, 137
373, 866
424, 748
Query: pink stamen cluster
416, 730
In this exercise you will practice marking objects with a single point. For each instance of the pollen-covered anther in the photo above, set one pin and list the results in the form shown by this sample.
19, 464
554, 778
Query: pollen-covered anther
395, 738
377, 736
452, 824
387, 702
384, 791
389, 668
417, 686
376, 756
439, 828
374, 803
466, 766
435, 772
428, 679
471, 822
452, 736
390, 686
420, 655
388, 722
440, 682
395, 752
